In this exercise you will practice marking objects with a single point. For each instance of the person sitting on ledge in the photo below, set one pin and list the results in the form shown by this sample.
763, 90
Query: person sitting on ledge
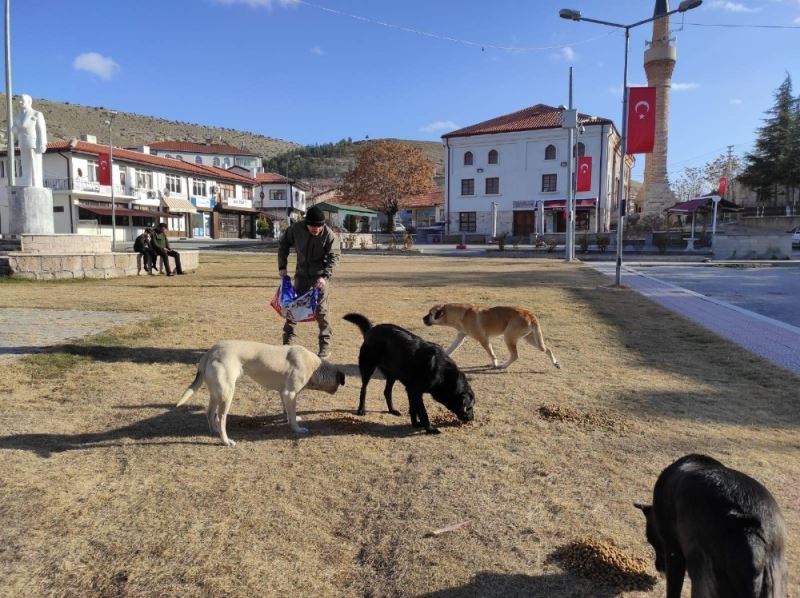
144, 246
162, 248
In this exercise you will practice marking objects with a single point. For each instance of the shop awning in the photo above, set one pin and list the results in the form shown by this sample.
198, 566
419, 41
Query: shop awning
560, 204
120, 212
237, 210
178, 205
702, 204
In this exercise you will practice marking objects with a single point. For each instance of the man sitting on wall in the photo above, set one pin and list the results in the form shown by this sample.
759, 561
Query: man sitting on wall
144, 246
162, 248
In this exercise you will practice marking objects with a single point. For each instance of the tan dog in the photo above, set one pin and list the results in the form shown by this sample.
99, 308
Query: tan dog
483, 323
287, 369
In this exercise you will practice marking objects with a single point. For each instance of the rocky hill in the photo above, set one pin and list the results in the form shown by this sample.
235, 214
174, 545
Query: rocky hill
65, 120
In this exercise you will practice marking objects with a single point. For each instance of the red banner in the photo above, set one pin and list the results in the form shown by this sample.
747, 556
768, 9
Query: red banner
104, 169
641, 120
584, 174
723, 185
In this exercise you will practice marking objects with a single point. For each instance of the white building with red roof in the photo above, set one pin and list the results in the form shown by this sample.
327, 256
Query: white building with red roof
195, 200
220, 155
281, 198
519, 161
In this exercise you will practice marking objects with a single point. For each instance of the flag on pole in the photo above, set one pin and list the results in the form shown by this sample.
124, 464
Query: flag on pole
104, 169
723, 185
641, 120
584, 174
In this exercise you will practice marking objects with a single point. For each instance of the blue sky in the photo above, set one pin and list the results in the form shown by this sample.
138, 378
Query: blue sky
294, 70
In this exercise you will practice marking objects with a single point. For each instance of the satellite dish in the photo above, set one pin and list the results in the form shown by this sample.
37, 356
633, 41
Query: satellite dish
165, 193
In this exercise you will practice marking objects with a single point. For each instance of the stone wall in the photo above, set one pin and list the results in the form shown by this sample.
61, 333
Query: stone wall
60, 266
752, 246
65, 244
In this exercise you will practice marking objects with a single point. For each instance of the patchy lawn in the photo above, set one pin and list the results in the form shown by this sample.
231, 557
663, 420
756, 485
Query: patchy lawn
108, 490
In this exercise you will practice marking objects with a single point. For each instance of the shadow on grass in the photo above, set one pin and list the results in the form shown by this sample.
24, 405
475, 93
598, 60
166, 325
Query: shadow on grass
183, 425
504, 585
116, 353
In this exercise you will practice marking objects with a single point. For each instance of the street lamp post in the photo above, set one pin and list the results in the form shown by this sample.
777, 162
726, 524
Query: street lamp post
287, 203
110, 123
575, 15
9, 106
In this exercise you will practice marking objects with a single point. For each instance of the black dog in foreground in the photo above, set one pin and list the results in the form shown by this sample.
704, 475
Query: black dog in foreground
719, 524
421, 367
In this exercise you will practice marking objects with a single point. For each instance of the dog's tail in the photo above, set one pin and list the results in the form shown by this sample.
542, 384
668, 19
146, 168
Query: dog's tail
361, 321
536, 338
196, 383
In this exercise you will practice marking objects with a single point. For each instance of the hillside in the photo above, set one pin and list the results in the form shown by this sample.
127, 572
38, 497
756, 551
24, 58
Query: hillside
315, 163
65, 121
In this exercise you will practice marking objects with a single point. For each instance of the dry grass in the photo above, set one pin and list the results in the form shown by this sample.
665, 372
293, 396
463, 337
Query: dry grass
108, 490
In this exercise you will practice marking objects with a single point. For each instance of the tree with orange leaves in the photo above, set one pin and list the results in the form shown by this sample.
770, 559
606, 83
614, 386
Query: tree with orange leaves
385, 172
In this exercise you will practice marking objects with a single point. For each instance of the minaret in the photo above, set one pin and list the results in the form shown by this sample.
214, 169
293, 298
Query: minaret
659, 62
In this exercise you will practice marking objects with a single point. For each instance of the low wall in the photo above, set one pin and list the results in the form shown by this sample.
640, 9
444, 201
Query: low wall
65, 266
65, 244
753, 246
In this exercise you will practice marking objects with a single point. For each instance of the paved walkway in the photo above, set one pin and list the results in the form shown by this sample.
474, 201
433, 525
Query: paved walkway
24, 330
776, 341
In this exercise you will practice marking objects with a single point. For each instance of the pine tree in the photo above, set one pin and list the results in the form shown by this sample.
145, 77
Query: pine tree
769, 167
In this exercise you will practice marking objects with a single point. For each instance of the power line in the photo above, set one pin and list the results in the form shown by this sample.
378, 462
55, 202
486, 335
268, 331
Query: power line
449, 38
743, 26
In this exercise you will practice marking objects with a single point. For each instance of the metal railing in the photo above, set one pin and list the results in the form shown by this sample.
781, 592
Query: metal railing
86, 186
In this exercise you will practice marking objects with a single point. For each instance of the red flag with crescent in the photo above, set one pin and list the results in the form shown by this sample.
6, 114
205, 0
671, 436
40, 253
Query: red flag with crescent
584, 174
641, 120
723, 185
104, 169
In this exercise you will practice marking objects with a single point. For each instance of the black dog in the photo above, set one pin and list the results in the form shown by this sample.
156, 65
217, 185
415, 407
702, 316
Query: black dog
421, 367
719, 524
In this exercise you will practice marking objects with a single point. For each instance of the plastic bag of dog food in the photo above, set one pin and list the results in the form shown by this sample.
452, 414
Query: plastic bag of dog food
297, 309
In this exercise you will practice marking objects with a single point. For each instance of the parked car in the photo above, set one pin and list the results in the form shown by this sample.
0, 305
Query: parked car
795, 232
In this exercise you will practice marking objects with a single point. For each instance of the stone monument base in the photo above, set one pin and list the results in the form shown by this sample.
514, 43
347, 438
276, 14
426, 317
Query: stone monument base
30, 210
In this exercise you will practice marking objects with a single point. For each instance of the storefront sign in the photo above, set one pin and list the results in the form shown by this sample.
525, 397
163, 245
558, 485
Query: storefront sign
530, 203
237, 202
203, 202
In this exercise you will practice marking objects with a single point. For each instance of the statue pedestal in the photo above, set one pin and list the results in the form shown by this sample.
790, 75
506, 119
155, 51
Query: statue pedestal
30, 211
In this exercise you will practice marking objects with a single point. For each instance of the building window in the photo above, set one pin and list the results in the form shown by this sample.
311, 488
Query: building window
216, 161
167, 156
91, 168
468, 159
58, 209
492, 185
550, 152
549, 183
178, 157
198, 187
247, 192
144, 179
582, 220
578, 149
493, 157
198, 160
277, 195
227, 190
467, 186
226, 162
467, 223
174, 183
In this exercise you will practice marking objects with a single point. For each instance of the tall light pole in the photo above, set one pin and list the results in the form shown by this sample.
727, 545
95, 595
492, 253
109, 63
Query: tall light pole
9, 104
288, 192
110, 123
575, 15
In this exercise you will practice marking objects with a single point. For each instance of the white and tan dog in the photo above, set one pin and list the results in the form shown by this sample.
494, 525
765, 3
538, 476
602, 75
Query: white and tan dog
287, 369
483, 323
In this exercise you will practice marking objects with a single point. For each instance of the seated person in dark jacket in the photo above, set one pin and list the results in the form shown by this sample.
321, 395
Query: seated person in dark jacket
162, 248
144, 245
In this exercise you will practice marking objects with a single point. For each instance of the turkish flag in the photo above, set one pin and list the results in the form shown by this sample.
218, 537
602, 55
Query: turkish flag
641, 120
723, 185
104, 169
584, 174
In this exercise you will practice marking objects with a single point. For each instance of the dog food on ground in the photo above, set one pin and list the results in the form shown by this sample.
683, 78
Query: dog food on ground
604, 562
587, 420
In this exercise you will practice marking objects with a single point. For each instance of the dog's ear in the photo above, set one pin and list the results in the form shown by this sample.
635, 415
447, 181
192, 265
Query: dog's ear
340, 377
643, 508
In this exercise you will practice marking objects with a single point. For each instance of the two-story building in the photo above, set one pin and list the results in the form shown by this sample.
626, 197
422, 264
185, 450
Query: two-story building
194, 200
220, 155
281, 199
519, 162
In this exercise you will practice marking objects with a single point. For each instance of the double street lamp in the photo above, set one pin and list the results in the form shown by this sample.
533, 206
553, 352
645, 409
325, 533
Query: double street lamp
575, 15
110, 123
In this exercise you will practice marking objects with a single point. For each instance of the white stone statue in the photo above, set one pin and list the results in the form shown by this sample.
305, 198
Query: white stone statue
31, 132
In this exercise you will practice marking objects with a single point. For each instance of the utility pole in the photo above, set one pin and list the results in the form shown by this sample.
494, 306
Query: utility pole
729, 169
9, 103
